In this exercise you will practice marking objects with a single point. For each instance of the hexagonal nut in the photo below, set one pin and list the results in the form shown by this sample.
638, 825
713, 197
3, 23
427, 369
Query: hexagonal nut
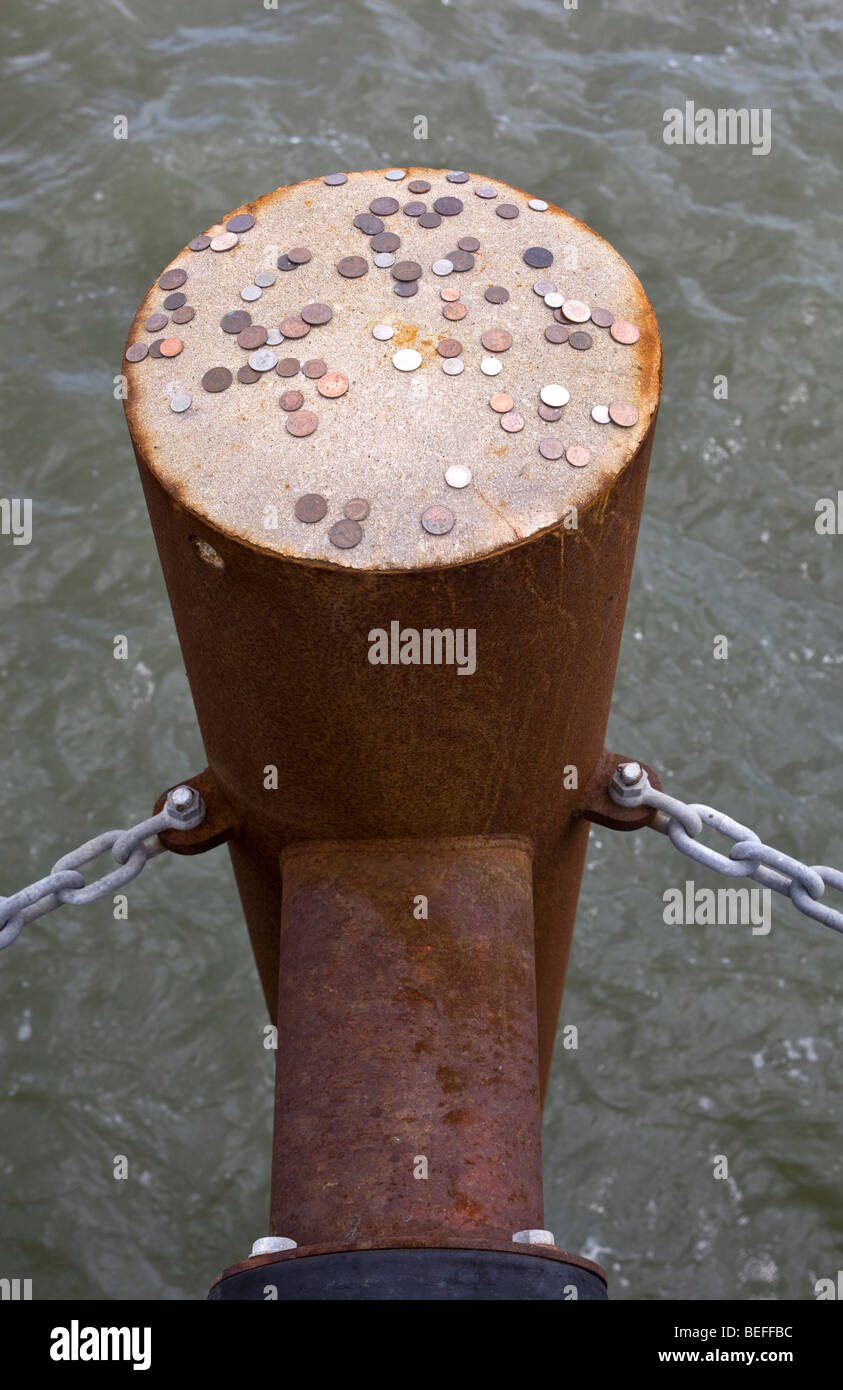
534, 1238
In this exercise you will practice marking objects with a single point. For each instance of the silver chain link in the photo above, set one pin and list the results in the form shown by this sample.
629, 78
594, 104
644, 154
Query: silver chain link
748, 857
131, 849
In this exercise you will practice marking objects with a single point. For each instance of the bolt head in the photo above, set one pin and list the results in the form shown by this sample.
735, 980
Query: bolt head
630, 773
534, 1238
181, 798
270, 1245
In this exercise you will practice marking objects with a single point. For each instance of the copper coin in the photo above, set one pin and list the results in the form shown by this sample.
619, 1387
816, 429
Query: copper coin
384, 207
448, 207
507, 210
430, 219
496, 339
288, 366
551, 413
551, 448
419, 186
247, 375
454, 312
242, 222
512, 422
175, 301
156, 321
556, 333
496, 294
184, 314
332, 384
415, 209
291, 400
314, 368
461, 260
581, 341
576, 311
365, 222
438, 520
302, 423
226, 241
449, 295
604, 318
311, 507
155, 347
172, 279
559, 316
217, 379
334, 180
623, 413
136, 352
236, 321
199, 243
352, 267
407, 288
501, 402
469, 243
485, 190
171, 347
299, 255
406, 270
252, 337
624, 332
345, 534
284, 262
357, 509
316, 313
578, 456
385, 241
457, 176
538, 257
449, 347
294, 327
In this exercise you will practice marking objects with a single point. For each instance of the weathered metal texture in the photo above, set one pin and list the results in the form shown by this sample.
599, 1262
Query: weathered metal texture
597, 806
404, 1040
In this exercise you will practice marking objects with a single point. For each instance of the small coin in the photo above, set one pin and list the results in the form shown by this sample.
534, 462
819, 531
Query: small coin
247, 376
291, 400
357, 509
156, 322
406, 289
395, 174
538, 257
284, 262
556, 333
385, 241
241, 222
199, 243
406, 359
448, 207
551, 413
302, 423
512, 422
184, 314
288, 366
496, 294
600, 413
334, 180
384, 207
496, 339
442, 267
491, 366
438, 520
406, 270
551, 448
624, 332
458, 475
455, 312
383, 332
155, 347
419, 186
180, 402
172, 279
250, 293
299, 255
576, 311
345, 534
501, 402
217, 379
623, 413
265, 278
263, 360
253, 337
414, 208
384, 259
175, 301
312, 507
225, 241
485, 190
294, 327
449, 347
171, 347
449, 294
274, 336
507, 210
314, 368
136, 352
366, 222
554, 300
352, 267
430, 219
537, 204
316, 313
543, 287
452, 366
554, 394
332, 384
468, 243
578, 456
581, 341
461, 260
604, 318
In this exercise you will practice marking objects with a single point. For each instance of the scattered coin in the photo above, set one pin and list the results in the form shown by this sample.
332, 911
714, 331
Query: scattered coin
383, 332
551, 448
250, 293
604, 318
496, 294
155, 322
406, 289
384, 259
406, 270
294, 327
491, 366
316, 313
600, 413
265, 278
455, 312
449, 294
311, 507
385, 241
247, 376
252, 337
576, 311
449, 347
171, 347
543, 287
551, 413
299, 255
501, 402
414, 209
180, 402
314, 368
457, 176
554, 394
452, 366
334, 180
512, 422
291, 400
284, 262
184, 314
366, 222
458, 475
225, 241
624, 332
468, 243
438, 520
288, 366
442, 267
395, 174
578, 456
554, 300
274, 336
302, 423
507, 210
217, 379
448, 207
419, 186
384, 207
623, 413
352, 267
537, 204
538, 257
241, 222
430, 219
406, 359
172, 279
581, 341
199, 243
485, 190
175, 301
263, 360
496, 339
556, 333
332, 384
461, 260
345, 534
155, 348
136, 352
357, 509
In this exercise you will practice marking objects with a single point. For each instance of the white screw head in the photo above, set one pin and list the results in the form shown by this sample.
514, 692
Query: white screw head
181, 798
270, 1245
534, 1238
630, 773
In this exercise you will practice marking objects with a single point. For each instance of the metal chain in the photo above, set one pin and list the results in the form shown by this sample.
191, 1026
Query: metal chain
748, 857
131, 849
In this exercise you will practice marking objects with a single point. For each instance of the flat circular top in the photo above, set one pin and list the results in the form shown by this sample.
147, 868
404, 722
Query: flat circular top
260, 370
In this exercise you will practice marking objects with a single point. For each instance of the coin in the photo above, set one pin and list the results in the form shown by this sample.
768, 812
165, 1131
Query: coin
252, 337
171, 347
414, 209
496, 294
265, 278
302, 423
332, 384
455, 312
199, 243
284, 262
406, 359
449, 347
491, 366
429, 219
294, 327
537, 204
442, 267
241, 222
624, 332
299, 255
291, 400
554, 394
352, 267
217, 379
384, 259
384, 207
225, 241
623, 413
263, 360
406, 270
604, 318
180, 402
438, 520
538, 257
136, 352
383, 332
406, 289
419, 186
554, 300
247, 376
395, 174
458, 475
551, 448
316, 313
576, 311
172, 279
156, 321
250, 293
581, 341
600, 413
365, 222
543, 287
311, 507
288, 366
457, 176
449, 294
184, 314
551, 413
496, 339
448, 207
578, 456
385, 241
556, 333
485, 190
512, 422
452, 366
334, 180
155, 347
507, 210
175, 301
314, 368
357, 509
468, 243
274, 336
345, 534
501, 402
461, 260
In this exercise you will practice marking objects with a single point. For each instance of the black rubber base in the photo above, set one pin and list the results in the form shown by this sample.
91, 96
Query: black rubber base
358, 1275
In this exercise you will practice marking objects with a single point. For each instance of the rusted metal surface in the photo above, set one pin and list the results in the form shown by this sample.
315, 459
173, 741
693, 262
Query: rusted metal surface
218, 826
407, 1093
597, 806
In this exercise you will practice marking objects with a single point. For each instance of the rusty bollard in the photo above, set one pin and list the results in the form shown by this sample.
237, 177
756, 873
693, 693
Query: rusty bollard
398, 555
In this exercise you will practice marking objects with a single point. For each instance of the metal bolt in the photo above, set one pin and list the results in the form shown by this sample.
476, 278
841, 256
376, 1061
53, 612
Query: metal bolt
534, 1238
181, 798
630, 773
270, 1245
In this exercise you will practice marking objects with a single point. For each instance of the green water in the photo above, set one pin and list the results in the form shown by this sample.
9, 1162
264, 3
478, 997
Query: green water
144, 1037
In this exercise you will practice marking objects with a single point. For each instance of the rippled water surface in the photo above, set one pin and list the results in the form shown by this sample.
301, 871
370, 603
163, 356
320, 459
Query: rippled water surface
144, 1037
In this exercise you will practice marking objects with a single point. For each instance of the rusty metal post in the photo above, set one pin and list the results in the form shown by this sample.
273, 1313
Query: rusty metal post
310, 741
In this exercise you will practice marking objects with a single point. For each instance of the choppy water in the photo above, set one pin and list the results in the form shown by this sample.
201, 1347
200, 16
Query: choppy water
144, 1038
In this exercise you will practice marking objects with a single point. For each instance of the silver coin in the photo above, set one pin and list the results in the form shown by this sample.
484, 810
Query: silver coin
490, 366
395, 174
407, 359
225, 241
537, 204
452, 366
250, 292
384, 259
265, 278
554, 394
544, 287
600, 413
263, 360
443, 267
554, 300
274, 336
180, 402
383, 332
458, 475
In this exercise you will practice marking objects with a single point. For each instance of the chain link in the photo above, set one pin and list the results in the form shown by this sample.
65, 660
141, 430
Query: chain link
131, 850
748, 856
